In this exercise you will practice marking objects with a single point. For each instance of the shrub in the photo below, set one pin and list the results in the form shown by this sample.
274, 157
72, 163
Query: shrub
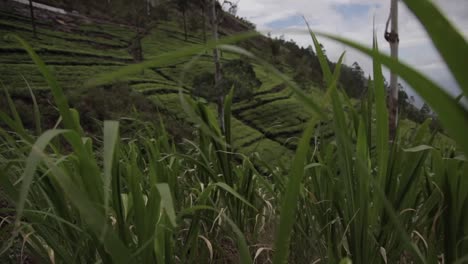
237, 74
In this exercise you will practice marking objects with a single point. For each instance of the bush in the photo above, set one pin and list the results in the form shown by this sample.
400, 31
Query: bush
237, 74
112, 103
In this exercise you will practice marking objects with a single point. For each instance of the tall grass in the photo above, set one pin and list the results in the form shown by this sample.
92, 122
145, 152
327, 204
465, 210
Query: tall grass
354, 198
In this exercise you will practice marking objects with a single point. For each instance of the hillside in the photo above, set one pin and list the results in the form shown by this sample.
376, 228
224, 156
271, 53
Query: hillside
132, 156
79, 47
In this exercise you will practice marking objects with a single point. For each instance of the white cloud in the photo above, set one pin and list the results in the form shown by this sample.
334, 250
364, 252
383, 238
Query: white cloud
415, 46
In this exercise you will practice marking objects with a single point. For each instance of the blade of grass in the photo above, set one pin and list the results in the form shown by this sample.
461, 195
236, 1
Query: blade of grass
166, 202
290, 198
449, 42
111, 134
166, 58
381, 117
300, 94
57, 92
37, 113
452, 115
32, 162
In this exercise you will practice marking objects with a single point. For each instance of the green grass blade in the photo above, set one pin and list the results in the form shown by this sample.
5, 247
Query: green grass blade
37, 113
111, 134
16, 117
452, 115
300, 94
91, 214
241, 242
381, 117
59, 96
227, 116
166, 58
449, 42
32, 162
227, 188
327, 74
166, 202
291, 197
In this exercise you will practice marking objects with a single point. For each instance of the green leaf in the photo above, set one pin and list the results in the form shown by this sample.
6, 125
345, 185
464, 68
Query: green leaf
16, 117
418, 148
300, 94
227, 116
111, 134
346, 261
32, 162
227, 188
327, 74
166, 58
166, 202
241, 242
290, 198
57, 91
449, 42
452, 115
37, 113
381, 116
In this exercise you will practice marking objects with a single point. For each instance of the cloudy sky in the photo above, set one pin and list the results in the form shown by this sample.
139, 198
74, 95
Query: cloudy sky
353, 19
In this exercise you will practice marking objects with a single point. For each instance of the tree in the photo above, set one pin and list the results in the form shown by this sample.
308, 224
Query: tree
425, 111
33, 20
183, 6
202, 4
138, 12
237, 74
217, 64
357, 69
232, 7
139, 22
403, 100
275, 48
393, 38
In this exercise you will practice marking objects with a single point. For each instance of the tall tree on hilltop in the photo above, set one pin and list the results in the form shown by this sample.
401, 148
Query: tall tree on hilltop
135, 12
218, 77
138, 7
183, 6
393, 38
202, 4
33, 19
425, 110
231, 7
215, 18
274, 46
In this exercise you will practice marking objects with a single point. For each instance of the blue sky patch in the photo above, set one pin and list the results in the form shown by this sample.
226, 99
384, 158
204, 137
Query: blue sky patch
349, 11
294, 20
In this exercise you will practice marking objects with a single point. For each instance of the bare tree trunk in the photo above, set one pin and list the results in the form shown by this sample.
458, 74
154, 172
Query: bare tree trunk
393, 38
218, 77
204, 24
33, 20
185, 24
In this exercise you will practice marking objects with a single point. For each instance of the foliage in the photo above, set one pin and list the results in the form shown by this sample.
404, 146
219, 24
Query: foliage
143, 199
237, 74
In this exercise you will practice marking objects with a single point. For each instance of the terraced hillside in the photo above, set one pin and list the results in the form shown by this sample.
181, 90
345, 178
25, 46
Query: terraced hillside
77, 48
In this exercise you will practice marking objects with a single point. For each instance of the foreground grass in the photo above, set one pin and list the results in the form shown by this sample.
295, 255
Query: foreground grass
354, 197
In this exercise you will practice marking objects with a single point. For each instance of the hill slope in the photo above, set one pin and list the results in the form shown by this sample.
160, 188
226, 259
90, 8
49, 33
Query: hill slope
77, 48
80, 48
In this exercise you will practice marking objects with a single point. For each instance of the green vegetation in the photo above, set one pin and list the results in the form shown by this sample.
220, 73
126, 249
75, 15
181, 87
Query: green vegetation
300, 174
237, 74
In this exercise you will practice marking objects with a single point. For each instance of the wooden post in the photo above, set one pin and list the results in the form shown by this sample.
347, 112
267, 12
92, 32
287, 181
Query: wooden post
33, 20
218, 76
393, 39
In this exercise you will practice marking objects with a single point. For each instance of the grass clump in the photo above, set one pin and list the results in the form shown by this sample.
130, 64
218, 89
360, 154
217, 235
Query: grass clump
350, 197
